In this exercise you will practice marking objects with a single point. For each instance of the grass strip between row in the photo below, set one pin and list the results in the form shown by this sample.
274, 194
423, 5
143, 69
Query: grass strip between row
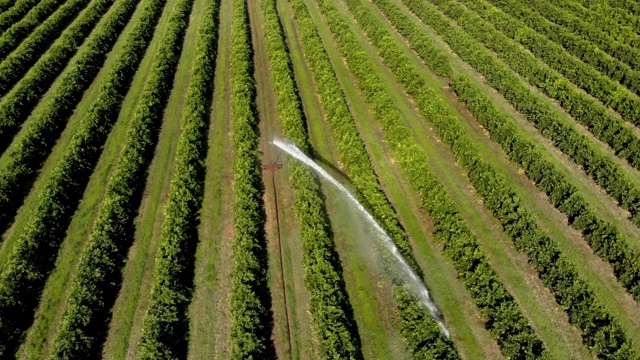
165, 328
250, 295
95, 287
32, 257
505, 321
601, 332
331, 312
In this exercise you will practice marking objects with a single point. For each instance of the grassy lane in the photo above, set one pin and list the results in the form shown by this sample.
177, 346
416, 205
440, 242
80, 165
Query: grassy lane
209, 312
619, 303
468, 332
379, 338
41, 333
31, 261
556, 334
604, 205
570, 241
49, 313
126, 324
293, 339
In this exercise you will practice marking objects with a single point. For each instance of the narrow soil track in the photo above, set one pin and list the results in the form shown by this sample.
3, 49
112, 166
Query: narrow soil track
268, 124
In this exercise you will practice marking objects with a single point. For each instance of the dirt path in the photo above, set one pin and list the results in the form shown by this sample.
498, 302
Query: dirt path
132, 301
210, 315
292, 333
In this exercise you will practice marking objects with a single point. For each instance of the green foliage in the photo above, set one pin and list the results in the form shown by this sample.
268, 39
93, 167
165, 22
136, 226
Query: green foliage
601, 331
6, 4
331, 313
605, 240
419, 41
17, 11
165, 323
619, 50
504, 319
541, 113
25, 157
615, 69
17, 104
92, 293
35, 18
621, 31
624, 12
33, 255
586, 110
612, 94
250, 297
419, 329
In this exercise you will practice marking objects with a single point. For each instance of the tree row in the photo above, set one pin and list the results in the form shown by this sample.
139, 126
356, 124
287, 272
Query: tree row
331, 312
601, 331
537, 109
165, 328
25, 92
19, 9
621, 51
250, 296
27, 154
32, 259
419, 330
95, 287
18, 31
615, 69
612, 94
505, 321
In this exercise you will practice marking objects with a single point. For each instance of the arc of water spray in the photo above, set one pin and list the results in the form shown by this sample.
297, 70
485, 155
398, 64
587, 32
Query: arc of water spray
413, 282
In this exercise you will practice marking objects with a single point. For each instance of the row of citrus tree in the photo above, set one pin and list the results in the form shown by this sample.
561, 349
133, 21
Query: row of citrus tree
595, 116
615, 69
419, 330
6, 4
607, 241
250, 297
32, 257
95, 287
619, 50
25, 91
166, 322
538, 109
624, 12
16, 12
611, 93
332, 316
605, 126
535, 108
25, 156
40, 14
600, 330
505, 320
